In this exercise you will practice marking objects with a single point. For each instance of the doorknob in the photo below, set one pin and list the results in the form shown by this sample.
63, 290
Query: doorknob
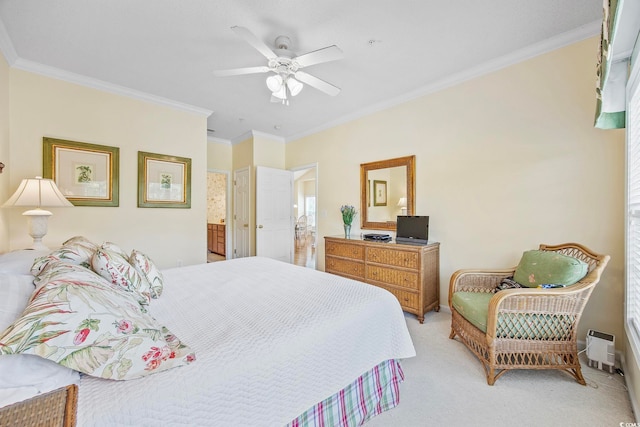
260, 226
246, 225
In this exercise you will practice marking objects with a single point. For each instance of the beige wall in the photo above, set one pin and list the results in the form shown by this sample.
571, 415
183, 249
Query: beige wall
268, 152
504, 162
219, 156
4, 151
42, 106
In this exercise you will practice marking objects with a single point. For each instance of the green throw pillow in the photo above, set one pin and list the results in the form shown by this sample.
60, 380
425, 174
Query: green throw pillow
546, 267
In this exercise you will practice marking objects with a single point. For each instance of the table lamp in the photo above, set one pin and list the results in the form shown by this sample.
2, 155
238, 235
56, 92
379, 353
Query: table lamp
402, 204
38, 192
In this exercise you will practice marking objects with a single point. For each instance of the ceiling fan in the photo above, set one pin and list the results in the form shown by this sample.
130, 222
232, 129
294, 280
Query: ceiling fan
288, 77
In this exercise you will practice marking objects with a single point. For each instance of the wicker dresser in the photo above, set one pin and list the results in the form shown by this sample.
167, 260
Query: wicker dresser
410, 272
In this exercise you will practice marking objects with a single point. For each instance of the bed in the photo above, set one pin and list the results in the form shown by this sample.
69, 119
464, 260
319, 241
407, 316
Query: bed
262, 343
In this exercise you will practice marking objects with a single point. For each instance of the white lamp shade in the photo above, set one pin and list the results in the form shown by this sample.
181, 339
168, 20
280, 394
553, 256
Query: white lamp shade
38, 192
281, 93
294, 86
402, 202
274, 83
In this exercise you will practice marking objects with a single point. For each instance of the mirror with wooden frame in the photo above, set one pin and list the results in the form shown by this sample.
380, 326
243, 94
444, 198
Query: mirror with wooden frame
387, 189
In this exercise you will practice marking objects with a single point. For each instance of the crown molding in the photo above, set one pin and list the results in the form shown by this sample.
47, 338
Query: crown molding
531, 51
243, 137
6, 46
56, 73
257, 133
218, 140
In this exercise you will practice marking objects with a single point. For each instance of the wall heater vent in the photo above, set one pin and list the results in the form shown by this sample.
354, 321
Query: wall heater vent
601, 350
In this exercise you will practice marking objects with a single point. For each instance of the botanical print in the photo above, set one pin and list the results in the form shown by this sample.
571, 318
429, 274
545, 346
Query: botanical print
166, 180
379, 193
84, 173
87, 174
163, 181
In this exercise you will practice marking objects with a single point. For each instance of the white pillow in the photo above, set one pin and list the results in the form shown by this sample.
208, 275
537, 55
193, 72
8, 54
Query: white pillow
23, 376
15, 292
20, 261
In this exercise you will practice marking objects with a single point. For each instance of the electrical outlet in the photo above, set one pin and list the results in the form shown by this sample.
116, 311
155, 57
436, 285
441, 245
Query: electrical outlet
179, 262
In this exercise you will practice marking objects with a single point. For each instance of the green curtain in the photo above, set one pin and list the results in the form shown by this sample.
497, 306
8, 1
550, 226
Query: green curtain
611, 76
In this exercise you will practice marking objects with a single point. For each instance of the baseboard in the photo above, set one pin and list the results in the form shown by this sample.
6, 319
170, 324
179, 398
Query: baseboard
632, 394
445, 308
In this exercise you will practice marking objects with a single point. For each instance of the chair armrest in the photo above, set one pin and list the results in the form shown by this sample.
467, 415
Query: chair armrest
560, 309
477, 280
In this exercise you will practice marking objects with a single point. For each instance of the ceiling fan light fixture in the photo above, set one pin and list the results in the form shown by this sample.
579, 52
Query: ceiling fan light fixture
274, 83
294, 86
280, 93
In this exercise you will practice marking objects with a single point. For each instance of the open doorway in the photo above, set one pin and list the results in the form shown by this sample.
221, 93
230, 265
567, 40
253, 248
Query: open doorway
217, 214
305, 190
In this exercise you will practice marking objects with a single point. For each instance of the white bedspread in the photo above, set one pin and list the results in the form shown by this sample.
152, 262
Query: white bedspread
271, 340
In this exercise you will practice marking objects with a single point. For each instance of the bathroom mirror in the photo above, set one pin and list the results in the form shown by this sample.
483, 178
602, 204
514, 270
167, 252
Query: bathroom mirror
387, 189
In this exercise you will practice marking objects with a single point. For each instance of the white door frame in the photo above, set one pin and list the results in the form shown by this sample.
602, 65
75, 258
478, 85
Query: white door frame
228, 245
303, 167
247, 250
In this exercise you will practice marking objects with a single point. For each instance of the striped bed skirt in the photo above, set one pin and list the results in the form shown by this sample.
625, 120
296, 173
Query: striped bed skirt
374, 392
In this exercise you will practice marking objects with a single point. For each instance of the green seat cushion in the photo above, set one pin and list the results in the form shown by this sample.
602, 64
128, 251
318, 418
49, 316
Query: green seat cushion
546, 267
473, 306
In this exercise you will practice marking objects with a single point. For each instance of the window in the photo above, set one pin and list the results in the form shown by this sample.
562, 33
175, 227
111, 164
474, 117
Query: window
633, 210
310, 209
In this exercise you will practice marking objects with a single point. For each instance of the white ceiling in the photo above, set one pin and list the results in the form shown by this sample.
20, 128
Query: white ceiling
393, 50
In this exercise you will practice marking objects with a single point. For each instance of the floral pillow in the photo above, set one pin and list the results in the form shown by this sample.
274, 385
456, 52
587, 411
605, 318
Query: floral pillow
110, 246
63, 269
83, 241
73, 252
148, 269
115, 267
85, 324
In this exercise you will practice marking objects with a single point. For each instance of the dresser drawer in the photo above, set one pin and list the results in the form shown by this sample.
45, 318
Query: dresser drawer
342, 266
406, 299
405, 279
392, 256
346, 250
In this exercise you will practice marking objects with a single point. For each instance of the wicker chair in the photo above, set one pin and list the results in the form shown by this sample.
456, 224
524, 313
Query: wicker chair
551, 315
54, 409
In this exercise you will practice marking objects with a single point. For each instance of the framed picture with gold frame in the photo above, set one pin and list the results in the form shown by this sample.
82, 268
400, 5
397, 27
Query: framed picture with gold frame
379, 193
87, 174
163, 181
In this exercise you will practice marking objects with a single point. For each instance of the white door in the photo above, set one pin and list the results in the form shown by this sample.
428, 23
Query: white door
274, 219
242, 213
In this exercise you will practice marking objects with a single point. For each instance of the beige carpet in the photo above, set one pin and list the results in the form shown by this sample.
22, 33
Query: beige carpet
445, 386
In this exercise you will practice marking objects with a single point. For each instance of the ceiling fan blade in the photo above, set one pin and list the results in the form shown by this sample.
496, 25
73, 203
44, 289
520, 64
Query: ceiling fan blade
241, 71
254, 41
330, 53
315, 82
